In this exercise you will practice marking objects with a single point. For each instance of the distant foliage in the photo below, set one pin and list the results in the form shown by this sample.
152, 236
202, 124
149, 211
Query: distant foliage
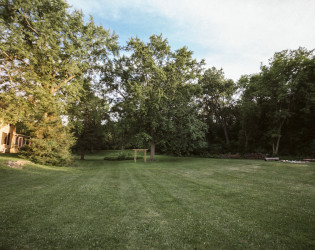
64, 81
277, 106
123, 155
156, 92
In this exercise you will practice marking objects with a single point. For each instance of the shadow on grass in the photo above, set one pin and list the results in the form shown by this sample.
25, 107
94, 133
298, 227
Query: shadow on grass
10, 155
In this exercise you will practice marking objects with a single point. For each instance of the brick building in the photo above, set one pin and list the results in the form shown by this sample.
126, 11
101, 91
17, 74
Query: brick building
10, 141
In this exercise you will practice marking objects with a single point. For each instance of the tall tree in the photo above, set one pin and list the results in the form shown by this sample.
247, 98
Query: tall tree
86, 117
155, 86
283, 92
250, 111
283, 79
218, 97
45, 52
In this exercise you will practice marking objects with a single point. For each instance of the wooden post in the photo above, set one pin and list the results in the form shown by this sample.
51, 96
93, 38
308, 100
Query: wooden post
135, 154
145, 156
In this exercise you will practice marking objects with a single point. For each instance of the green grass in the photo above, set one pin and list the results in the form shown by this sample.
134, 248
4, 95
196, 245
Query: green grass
179, 203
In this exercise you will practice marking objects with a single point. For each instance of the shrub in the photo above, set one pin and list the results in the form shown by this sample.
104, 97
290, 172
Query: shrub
48, 152
122, 156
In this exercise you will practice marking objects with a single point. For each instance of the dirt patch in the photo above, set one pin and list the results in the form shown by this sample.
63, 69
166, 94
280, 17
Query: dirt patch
16, 164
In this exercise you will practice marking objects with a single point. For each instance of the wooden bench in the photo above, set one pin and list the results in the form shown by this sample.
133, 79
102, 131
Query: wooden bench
272, 159
309, 160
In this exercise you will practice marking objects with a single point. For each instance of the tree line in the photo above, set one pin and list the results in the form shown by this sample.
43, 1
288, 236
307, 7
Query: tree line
72, 87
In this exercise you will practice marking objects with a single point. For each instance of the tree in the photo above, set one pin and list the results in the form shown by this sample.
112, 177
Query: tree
283, 79
217, 97
283, 93
250, 111
86, 117
46, 50
157, 88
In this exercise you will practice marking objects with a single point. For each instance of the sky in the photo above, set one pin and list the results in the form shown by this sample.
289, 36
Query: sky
236, 35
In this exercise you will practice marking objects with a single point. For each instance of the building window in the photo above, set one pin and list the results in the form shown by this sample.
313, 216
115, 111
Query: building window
21, 142
8, 139
4, 138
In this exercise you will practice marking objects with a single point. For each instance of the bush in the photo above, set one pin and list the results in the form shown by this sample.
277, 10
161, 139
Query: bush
255, 156
48, 152
122, 156
230, 156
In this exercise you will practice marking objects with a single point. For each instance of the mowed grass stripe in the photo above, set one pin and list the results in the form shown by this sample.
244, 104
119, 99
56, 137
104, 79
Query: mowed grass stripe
142, 220
242, 202
179, 203
184, 226
205, 214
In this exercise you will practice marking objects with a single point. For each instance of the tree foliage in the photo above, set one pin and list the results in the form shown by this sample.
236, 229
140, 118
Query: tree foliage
86, 117
53, 67
46, 50
278, 103
217, 101
157, 88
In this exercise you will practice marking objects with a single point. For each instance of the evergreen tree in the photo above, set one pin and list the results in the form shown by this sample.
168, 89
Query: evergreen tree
46, 50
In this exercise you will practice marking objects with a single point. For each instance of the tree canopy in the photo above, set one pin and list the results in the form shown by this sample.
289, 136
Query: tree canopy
46, 50
157, 88
72, 87
281, 100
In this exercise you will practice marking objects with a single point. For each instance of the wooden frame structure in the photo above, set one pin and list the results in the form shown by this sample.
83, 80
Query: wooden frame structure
135, 154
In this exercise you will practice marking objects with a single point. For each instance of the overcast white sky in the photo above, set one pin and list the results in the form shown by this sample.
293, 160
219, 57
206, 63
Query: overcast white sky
236, 35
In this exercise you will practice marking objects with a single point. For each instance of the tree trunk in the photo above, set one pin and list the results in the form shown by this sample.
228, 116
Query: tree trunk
246, 141
278, 143
275, 148
82, 153
152, 151
83, 135
223, 123
227, 140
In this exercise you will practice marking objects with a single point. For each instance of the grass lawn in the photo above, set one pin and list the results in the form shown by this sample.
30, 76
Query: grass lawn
180, 203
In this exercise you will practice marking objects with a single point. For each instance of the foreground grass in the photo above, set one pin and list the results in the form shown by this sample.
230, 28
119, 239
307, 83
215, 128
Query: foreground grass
180, 203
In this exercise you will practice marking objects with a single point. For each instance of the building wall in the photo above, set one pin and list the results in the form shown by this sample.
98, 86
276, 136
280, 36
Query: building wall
10, 141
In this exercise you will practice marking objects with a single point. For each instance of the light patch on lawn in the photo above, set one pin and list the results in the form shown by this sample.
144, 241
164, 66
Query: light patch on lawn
151, 213
16, 164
